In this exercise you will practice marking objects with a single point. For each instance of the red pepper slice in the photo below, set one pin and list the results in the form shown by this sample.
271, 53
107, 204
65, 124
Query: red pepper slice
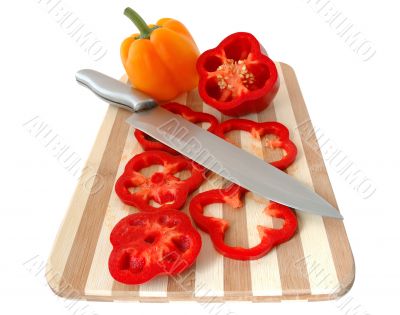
149, 143
259, 130
162, 187
217, 227
149, 244
235, 77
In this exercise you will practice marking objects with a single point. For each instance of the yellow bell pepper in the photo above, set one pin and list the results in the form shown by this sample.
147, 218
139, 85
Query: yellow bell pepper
161, 60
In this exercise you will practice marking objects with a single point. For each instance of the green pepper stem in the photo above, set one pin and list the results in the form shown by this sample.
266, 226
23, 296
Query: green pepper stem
144, 29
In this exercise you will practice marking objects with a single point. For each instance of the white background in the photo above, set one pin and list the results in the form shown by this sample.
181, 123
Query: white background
354, 102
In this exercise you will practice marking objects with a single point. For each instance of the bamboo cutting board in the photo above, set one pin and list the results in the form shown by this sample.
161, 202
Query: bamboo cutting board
316, 264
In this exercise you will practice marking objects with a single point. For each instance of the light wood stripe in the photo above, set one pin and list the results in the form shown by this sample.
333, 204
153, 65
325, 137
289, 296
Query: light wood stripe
209, 275
116, 210
182, 285
236, 236
311, 227
158, 287
81, 254
265, 280
291, 275
340, 246
65, 237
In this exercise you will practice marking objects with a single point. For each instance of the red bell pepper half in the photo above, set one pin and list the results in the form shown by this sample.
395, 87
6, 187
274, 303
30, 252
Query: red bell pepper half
217, 227
149, 244
258, 130
235, 77
149, 143
163, 187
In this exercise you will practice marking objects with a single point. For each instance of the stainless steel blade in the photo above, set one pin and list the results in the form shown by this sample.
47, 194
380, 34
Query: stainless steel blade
205, 148
230, 161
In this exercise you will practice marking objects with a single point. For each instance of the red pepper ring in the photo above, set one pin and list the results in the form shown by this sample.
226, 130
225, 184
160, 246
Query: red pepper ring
258, 130
149, 244
236, 77
162, 187
149, 143
217, 227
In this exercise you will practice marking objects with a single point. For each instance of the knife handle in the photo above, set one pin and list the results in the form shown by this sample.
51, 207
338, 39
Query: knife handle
114, 91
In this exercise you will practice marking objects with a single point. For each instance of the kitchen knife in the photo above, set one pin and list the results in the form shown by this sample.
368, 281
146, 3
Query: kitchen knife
214, 153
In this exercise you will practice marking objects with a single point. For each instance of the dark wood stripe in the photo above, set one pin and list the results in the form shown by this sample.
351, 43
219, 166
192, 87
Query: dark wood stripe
182, 286
81, 255
194, 101
336, 233
120, 290
237, 276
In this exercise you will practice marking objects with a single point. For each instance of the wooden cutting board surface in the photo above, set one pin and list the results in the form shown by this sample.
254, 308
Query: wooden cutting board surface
316, 264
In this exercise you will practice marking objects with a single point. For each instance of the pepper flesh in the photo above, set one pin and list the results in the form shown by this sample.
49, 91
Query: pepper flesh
186, 112
146, 245
217, 227
161, 60
163, 187
260, 129
235, 77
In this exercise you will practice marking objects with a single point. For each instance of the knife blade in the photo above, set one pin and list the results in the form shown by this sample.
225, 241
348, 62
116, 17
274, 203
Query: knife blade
214, 153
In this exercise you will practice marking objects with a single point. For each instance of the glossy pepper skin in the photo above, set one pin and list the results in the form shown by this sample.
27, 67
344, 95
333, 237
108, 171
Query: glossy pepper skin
161, 60
258, 130
235, 77
163, 187
186, 112
217, 227
146, 245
